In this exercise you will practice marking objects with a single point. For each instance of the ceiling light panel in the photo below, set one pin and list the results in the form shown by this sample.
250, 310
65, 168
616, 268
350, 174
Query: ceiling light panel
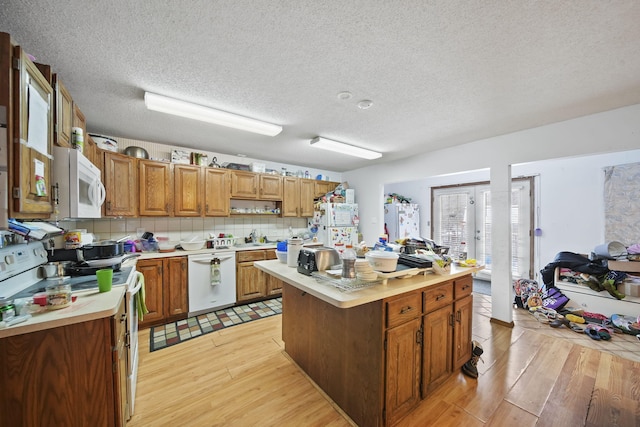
176, 107
341, 147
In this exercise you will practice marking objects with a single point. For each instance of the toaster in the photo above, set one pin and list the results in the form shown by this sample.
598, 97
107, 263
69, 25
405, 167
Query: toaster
317, 259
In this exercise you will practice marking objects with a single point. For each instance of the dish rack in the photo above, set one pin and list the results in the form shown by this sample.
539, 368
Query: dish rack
353, 285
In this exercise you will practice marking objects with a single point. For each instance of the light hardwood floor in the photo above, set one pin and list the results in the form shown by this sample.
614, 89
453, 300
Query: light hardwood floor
531, 375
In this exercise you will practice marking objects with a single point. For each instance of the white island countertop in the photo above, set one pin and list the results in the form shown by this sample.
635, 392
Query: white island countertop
334, 296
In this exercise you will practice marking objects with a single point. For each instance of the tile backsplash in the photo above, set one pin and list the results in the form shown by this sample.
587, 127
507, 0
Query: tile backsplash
177, 229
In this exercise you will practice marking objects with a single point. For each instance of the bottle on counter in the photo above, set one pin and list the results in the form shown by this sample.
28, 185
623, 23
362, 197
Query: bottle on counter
348, 257
463, 251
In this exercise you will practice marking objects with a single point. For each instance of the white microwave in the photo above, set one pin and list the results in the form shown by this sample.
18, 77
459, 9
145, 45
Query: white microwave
80, 190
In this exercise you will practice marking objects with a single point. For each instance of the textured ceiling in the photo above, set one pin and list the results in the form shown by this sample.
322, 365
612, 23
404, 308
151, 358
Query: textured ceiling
439, 73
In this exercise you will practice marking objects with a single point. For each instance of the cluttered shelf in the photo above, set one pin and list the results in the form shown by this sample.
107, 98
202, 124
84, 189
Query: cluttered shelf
603, 301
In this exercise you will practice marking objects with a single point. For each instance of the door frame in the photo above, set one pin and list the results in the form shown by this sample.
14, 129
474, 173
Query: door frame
532, 205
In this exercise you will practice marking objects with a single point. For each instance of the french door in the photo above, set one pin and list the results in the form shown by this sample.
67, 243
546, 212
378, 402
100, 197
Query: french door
461, 220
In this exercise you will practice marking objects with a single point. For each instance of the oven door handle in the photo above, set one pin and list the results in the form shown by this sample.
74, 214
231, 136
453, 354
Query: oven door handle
135, 289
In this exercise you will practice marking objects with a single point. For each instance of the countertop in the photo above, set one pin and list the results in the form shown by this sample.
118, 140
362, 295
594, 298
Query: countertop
89, 305
340, 299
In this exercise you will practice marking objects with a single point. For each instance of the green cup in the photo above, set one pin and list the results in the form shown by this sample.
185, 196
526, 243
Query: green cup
105, 279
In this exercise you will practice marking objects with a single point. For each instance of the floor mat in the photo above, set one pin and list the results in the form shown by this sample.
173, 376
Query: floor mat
176, 332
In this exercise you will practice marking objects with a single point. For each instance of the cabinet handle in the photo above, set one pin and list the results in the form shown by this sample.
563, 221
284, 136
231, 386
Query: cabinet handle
406, 309
439, 297
465, 287
458, 316
451, 319
123, 318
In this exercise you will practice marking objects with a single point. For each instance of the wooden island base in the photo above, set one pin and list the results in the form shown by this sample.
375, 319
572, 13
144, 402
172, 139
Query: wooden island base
377, 359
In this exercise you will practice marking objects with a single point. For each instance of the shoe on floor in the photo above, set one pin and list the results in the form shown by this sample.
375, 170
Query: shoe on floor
470, 368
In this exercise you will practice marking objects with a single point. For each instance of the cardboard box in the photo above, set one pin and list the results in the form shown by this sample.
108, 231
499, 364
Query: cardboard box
258, 167
350, 195
630, 288
628, 266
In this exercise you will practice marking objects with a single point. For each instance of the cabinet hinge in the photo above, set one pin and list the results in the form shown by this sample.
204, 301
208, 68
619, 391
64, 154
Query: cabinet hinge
16, 63
16, 193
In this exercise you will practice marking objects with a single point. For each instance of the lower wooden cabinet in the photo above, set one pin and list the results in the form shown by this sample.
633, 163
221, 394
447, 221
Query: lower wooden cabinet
252, 283
72, 375
166, 289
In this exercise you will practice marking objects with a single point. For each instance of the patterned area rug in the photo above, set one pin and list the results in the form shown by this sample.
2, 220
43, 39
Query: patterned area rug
176, 332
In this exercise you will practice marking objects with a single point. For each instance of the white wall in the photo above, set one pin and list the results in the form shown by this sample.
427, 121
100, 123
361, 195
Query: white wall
612, 131
569, 200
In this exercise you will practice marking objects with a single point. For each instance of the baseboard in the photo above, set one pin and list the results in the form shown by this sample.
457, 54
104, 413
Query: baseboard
502, 322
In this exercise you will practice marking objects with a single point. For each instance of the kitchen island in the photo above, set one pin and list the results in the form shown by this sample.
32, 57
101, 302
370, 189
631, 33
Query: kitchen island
379, 350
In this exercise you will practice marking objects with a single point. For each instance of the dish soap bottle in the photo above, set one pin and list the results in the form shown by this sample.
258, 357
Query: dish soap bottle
215, 272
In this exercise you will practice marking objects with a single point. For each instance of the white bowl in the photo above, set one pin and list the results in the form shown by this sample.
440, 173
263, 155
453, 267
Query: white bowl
193, 246
282, 256
383, 261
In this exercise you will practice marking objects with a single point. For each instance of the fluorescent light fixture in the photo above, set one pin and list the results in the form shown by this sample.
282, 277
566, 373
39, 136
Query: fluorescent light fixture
176, 107
341, 147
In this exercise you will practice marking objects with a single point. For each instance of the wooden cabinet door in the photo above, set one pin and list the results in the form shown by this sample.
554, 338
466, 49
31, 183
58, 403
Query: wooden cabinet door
463, 316
323, 187
274, 285
79, 121
216, 192
307, 189
175, 295
121, 184
31, 180
290, 196
270, 187
153, 286
250, 282
244, 185
436, 348
403, 349
187, 194
63, 114
155, 188
91, 150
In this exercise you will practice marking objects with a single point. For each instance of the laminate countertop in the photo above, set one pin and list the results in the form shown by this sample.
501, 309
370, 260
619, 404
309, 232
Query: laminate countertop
89, 305
341, 299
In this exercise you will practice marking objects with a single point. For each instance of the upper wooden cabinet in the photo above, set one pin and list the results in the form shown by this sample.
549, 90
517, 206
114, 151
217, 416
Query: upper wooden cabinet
216, 192
270, 187
156, 183
250, 185
63, 112
29, 121
188, 190
297, 197
121, 184
323, 187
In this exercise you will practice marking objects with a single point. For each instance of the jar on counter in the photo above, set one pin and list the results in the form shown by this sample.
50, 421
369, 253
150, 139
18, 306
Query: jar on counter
58, 296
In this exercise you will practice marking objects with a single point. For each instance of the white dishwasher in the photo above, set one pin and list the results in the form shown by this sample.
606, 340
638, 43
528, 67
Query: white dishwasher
205, 296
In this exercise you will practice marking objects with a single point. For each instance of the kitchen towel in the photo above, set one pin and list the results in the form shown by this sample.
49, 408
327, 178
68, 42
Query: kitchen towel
139, 296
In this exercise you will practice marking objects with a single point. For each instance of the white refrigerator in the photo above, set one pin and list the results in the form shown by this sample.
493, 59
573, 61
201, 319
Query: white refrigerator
402, 220
337, 224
